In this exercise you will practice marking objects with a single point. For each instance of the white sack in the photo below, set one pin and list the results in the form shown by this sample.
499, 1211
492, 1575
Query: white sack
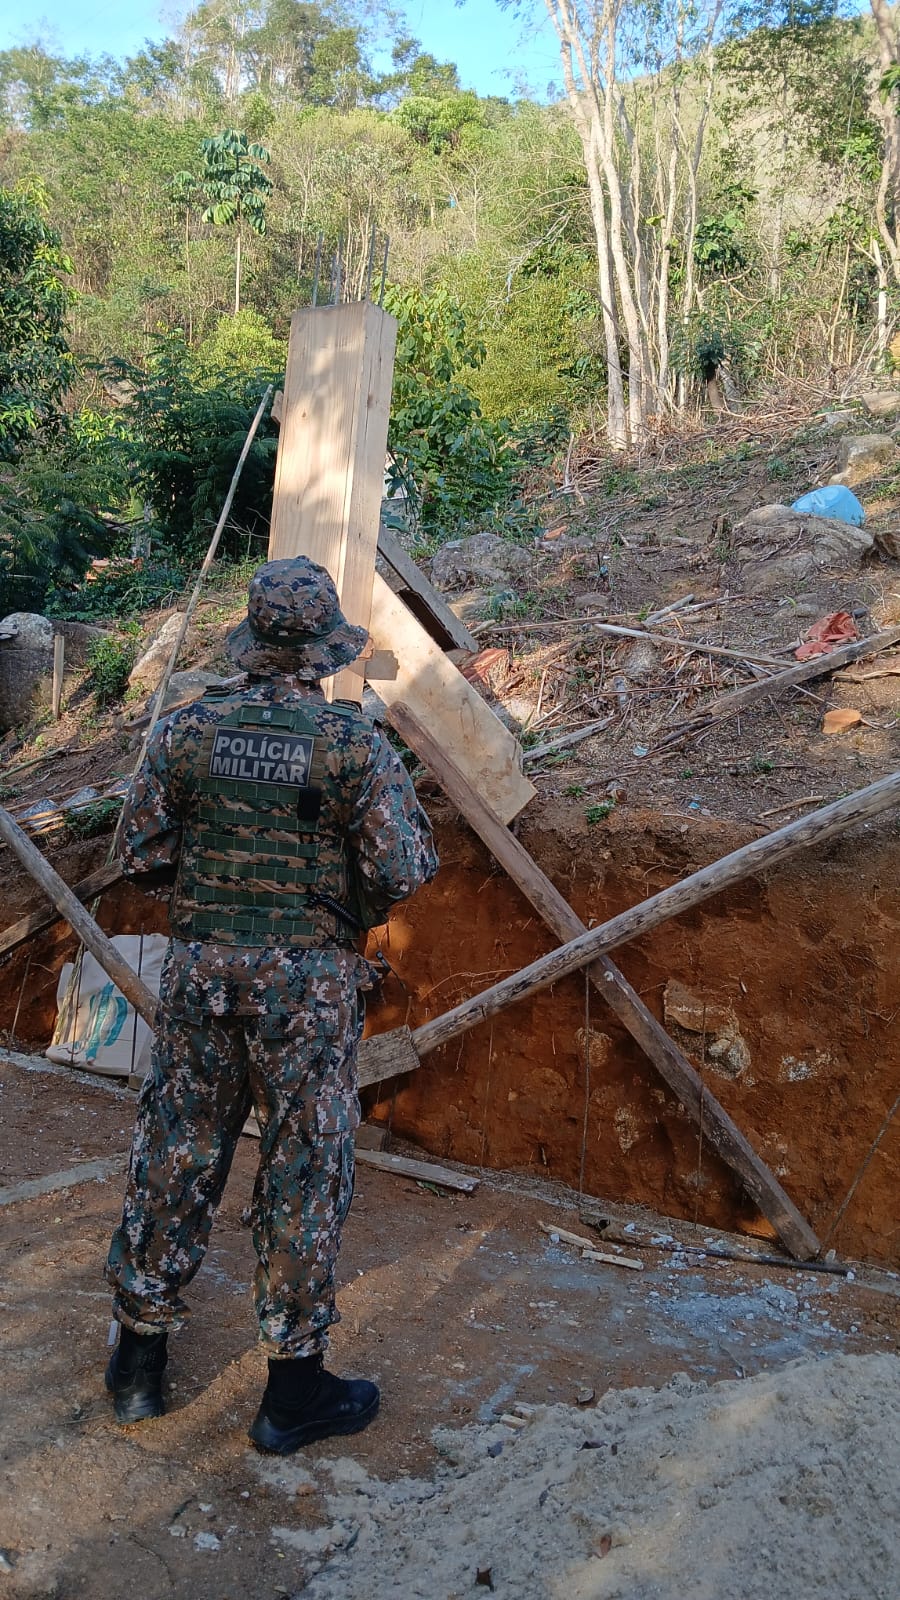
106, 1035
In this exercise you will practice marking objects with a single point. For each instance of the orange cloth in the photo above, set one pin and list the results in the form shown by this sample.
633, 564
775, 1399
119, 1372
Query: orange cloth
826, 634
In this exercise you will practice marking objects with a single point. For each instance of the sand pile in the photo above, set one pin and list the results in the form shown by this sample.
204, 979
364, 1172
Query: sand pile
787, 1483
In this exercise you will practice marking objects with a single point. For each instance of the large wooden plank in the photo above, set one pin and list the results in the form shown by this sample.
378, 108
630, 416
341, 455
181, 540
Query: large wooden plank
329, 473
721, 1132
439, 697
454, 634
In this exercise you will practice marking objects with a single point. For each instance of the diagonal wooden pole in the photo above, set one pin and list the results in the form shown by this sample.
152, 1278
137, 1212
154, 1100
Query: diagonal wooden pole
398, 1051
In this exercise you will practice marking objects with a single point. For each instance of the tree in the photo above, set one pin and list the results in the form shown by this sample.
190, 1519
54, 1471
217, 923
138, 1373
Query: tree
236, 188
36, 364
606, 47
887, 28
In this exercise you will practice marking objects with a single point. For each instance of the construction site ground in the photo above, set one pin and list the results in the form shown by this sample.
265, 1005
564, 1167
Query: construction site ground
460, 1306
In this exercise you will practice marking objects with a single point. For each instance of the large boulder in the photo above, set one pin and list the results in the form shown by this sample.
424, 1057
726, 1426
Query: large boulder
147, 672
481, 561
882, 403
778, 549
26, 663
862, 456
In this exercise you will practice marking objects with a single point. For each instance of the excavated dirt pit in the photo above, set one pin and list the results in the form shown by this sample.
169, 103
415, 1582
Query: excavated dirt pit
783, 992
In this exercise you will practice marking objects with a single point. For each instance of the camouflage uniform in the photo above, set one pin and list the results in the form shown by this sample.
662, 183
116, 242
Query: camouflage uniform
272, 1022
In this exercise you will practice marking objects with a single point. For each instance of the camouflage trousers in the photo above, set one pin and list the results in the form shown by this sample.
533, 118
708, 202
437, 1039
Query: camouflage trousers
206, 1073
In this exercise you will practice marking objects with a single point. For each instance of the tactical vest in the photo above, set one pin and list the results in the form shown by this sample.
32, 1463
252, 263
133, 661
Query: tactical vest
263, 850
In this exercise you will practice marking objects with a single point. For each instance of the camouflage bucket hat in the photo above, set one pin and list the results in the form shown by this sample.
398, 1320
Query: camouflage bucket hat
294, 623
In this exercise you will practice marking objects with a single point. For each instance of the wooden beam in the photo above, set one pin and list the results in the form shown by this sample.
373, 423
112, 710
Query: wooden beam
454, 633
676, 1069
441, 699
36, 921
94, 939
329, 473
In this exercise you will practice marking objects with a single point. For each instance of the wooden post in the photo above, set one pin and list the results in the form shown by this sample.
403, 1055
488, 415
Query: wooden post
68, 906
329, 475
59, 662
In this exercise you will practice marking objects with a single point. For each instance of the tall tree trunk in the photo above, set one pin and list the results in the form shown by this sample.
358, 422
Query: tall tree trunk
237, 273
887, 203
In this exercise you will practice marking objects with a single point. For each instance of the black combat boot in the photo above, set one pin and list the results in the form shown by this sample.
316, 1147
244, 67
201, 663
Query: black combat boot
303, 1402
134, 1375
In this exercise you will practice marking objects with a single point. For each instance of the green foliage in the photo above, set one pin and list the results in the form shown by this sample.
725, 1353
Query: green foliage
241, 344
58, 502
446, 455
235, 186
36, 365
99, 817
599, 812
110, 661
122, 591
188, 426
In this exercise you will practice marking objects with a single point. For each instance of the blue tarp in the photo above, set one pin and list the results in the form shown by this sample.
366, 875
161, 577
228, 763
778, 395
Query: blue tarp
832, 501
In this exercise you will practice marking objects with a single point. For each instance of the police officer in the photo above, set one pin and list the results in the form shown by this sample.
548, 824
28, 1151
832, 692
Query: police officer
291, 826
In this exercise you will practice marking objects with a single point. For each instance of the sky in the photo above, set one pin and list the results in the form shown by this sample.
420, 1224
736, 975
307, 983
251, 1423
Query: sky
495, 52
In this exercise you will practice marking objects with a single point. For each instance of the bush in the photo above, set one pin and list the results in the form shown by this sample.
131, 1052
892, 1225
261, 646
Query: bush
110, 662
123, 591
451, 461
188, 425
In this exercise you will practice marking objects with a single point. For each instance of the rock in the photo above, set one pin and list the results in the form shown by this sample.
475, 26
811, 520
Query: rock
780, 549
641, 662
26, 661
592, 600
725, 1050
148, 670
862, 456
835, 421
190, 685
881, 402
887, 543
80, 639
472, 606
483, 558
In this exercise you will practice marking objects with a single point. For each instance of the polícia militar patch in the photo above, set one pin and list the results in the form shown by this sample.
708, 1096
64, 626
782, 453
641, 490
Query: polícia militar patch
262, 757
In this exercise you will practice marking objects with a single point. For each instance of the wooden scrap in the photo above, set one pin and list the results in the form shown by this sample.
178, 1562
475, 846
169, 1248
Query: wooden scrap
422, 1171
613, 1261
728, 705
59, 662
841, 719
440, 698
448, 628
538, 751
675, 640
69, 906
577, 1239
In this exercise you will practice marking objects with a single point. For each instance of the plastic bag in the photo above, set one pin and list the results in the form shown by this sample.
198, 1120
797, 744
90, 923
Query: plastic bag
106, 1035
832, 501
